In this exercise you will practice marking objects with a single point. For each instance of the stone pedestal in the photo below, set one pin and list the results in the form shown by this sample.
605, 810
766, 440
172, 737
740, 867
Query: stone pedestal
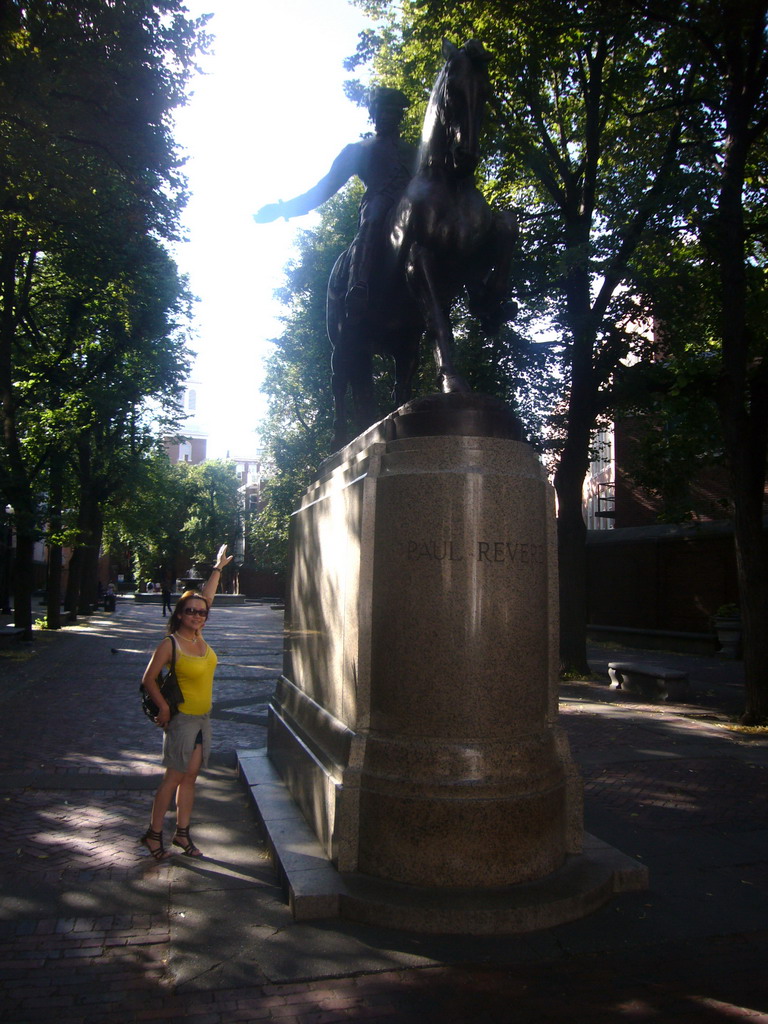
415, 723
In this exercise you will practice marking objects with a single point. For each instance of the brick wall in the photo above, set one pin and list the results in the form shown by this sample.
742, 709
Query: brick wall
661, 577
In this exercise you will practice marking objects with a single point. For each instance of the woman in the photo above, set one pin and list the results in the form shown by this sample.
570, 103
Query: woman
187, 739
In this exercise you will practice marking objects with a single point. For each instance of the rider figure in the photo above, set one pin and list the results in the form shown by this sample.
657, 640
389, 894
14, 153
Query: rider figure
385, 164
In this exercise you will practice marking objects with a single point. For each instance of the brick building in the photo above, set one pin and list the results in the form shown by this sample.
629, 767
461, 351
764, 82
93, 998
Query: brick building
652, 583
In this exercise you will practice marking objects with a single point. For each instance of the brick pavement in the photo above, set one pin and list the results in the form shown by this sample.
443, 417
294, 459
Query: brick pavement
93, 931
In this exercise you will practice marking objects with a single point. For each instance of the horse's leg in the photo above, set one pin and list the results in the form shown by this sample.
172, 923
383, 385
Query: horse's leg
361, 375
339, 381
406, 364
423, 280
351, 366
340, 373
489, 293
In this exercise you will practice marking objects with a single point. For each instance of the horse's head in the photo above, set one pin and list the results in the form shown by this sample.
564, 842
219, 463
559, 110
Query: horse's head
458, 104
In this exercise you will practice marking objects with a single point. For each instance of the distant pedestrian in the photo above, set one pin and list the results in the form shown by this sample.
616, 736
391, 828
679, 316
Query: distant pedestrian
187, 739
166, 591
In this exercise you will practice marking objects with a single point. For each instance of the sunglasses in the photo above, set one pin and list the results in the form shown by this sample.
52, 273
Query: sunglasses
195, 611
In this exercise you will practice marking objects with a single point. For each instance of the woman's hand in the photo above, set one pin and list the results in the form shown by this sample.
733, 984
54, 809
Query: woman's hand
210, 588
222, 558
163, 716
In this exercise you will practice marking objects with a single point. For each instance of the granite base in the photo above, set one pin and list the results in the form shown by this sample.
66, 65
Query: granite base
315, 890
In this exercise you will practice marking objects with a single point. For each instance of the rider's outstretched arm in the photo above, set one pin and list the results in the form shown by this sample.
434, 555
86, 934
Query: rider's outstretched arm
342, 169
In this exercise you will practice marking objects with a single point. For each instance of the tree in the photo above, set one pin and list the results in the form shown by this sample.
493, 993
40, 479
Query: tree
90, 356
88, 176
727, 228
175, 512
214, 507
146, 517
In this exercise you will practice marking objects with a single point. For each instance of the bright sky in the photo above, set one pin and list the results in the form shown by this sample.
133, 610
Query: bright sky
265, 122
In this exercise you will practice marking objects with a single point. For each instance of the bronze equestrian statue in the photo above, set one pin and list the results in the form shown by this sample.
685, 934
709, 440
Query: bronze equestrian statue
438, 238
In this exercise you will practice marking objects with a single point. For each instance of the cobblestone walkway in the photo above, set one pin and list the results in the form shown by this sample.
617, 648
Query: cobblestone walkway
92, 931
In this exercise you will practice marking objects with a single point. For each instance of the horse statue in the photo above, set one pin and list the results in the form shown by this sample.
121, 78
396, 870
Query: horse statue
440, 237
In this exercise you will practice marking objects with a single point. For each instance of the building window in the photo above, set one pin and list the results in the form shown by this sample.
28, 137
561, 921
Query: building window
599, 496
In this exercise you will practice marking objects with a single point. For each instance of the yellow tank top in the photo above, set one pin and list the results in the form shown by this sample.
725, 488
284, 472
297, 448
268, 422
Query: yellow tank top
195, 676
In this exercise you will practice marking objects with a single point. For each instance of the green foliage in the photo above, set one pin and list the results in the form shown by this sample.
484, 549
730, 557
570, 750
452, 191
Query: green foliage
268, 530
213, 507
88, 89
709, 301
145, 518
92, 309
298, 428
671, 392
171, 513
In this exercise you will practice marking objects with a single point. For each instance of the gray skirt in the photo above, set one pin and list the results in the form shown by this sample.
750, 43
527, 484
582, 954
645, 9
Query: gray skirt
179, 740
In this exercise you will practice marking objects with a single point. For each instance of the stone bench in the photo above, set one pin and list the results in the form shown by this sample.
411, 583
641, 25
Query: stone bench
652, 681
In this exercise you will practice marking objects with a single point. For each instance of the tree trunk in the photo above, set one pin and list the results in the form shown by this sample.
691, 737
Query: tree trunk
89, 581
53, 616
743, 400
53, 613
752, 570
22, 579
72, 596
573, 465
6, 561
572, 562
17, 491
90, 527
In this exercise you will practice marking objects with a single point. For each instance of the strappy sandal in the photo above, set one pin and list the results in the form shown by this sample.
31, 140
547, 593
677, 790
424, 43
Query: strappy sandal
188, 847
159, 852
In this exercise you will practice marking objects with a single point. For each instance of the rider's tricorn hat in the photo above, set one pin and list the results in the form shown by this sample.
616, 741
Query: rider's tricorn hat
382, 96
